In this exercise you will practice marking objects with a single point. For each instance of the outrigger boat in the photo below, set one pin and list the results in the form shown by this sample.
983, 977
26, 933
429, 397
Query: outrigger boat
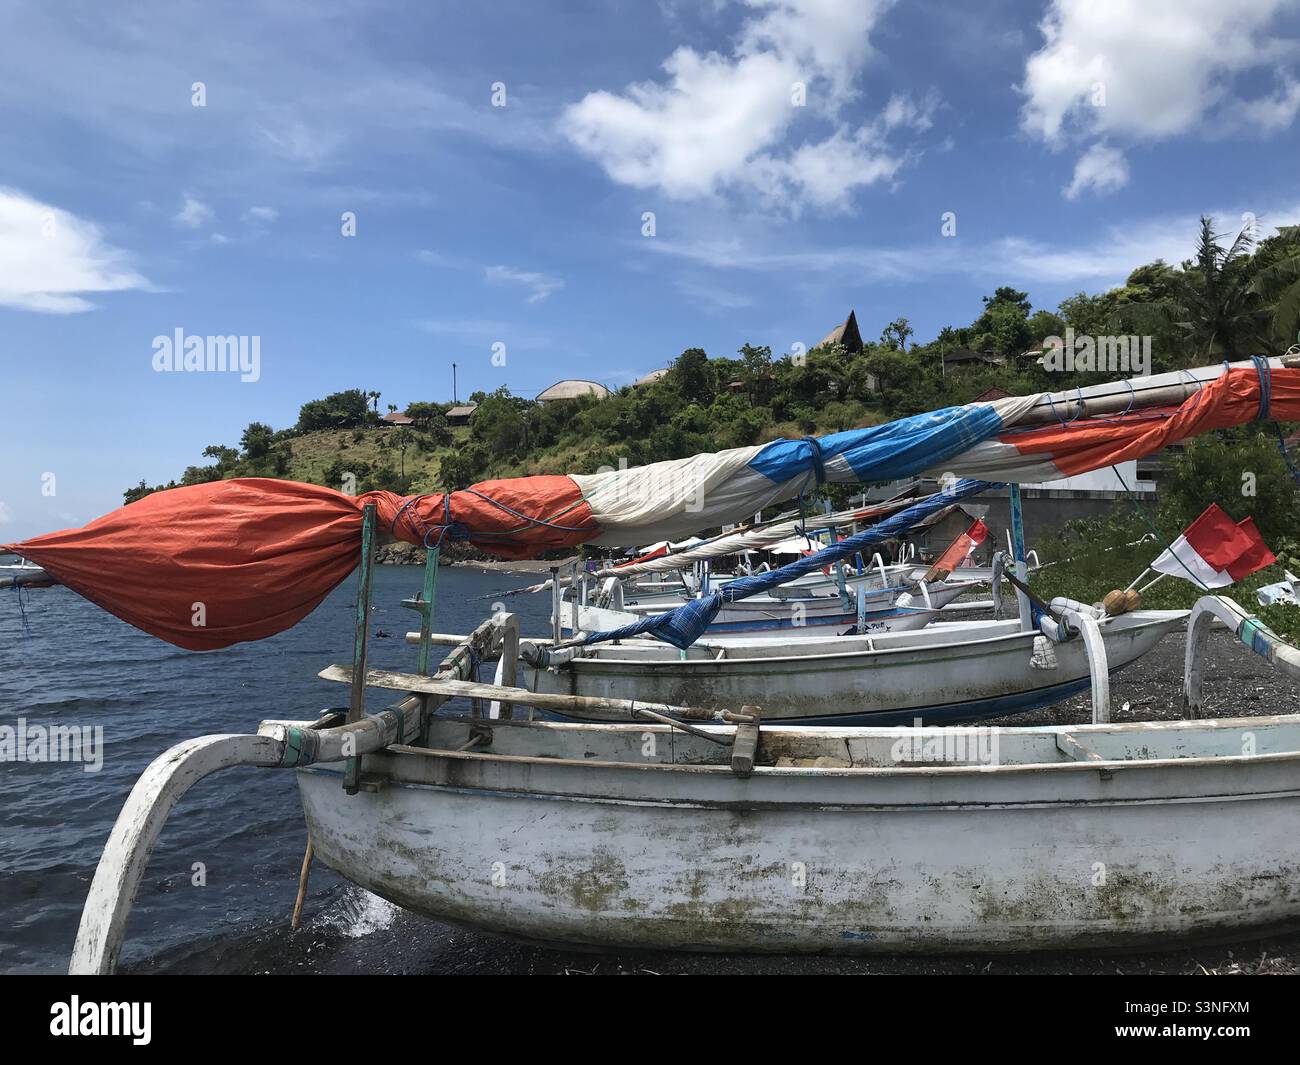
706, 826
947, 672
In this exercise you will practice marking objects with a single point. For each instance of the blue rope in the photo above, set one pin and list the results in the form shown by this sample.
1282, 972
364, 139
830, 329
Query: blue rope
1281, 446
22, 608
819, 461
1079, 395
1265, 373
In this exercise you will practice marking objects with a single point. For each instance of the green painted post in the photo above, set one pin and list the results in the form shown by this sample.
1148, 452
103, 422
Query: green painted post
361, 641
423, 604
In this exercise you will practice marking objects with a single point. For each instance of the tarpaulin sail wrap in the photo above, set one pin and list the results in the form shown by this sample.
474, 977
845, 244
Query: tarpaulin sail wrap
260, 554
1063, 449
209, 565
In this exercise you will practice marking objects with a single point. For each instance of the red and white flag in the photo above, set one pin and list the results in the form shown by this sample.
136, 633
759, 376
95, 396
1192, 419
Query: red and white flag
1214, 551
958, 551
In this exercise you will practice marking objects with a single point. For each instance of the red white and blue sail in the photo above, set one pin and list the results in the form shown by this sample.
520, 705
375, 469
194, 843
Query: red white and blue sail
260, 554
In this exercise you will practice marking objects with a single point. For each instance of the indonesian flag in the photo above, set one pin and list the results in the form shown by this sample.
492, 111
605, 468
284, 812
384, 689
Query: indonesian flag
959, 550
1214, 551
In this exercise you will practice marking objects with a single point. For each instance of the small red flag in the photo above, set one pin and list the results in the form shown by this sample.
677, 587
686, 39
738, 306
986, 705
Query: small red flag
1217, 539
1255, 557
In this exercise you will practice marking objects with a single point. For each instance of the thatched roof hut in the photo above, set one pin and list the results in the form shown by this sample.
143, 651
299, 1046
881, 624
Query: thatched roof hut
572, 389
846, 334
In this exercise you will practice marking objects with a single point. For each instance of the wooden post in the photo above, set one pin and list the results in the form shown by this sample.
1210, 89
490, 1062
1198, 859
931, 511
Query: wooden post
744, 750
361, 643
302, 885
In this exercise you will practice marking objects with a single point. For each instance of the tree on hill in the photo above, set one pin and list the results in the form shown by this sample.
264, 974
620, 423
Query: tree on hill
1003, 328
339, 410
256, 440
693, 375
895, 334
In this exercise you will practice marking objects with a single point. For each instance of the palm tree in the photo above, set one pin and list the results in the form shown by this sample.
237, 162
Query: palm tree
1279, 284
1215, 304
1211, 302
403, 438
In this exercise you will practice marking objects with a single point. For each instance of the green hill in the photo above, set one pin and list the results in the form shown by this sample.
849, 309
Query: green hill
1227, 302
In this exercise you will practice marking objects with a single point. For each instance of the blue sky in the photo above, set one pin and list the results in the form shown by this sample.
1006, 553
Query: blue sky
1071, 139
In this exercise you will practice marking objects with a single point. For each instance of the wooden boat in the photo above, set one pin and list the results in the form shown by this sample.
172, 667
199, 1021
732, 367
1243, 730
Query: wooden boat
627, 836
959, 671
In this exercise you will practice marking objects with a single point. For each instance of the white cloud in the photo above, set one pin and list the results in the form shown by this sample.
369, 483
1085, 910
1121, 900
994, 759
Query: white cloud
52, 257
193, 213
541, 285
1101, 168
1101, 261
262, 214
1151, 69
1272, 114
6, 513
722, 122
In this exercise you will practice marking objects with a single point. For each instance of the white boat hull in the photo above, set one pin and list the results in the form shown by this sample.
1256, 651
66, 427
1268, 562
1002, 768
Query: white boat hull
595, 837
942, 673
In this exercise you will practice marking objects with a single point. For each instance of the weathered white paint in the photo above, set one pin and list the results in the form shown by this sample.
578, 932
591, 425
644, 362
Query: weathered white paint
1246, 627
1094, 647
572, 833
160, 787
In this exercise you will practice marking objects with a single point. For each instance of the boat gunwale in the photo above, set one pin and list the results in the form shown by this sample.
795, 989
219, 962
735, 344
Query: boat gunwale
901, 771
883, 733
